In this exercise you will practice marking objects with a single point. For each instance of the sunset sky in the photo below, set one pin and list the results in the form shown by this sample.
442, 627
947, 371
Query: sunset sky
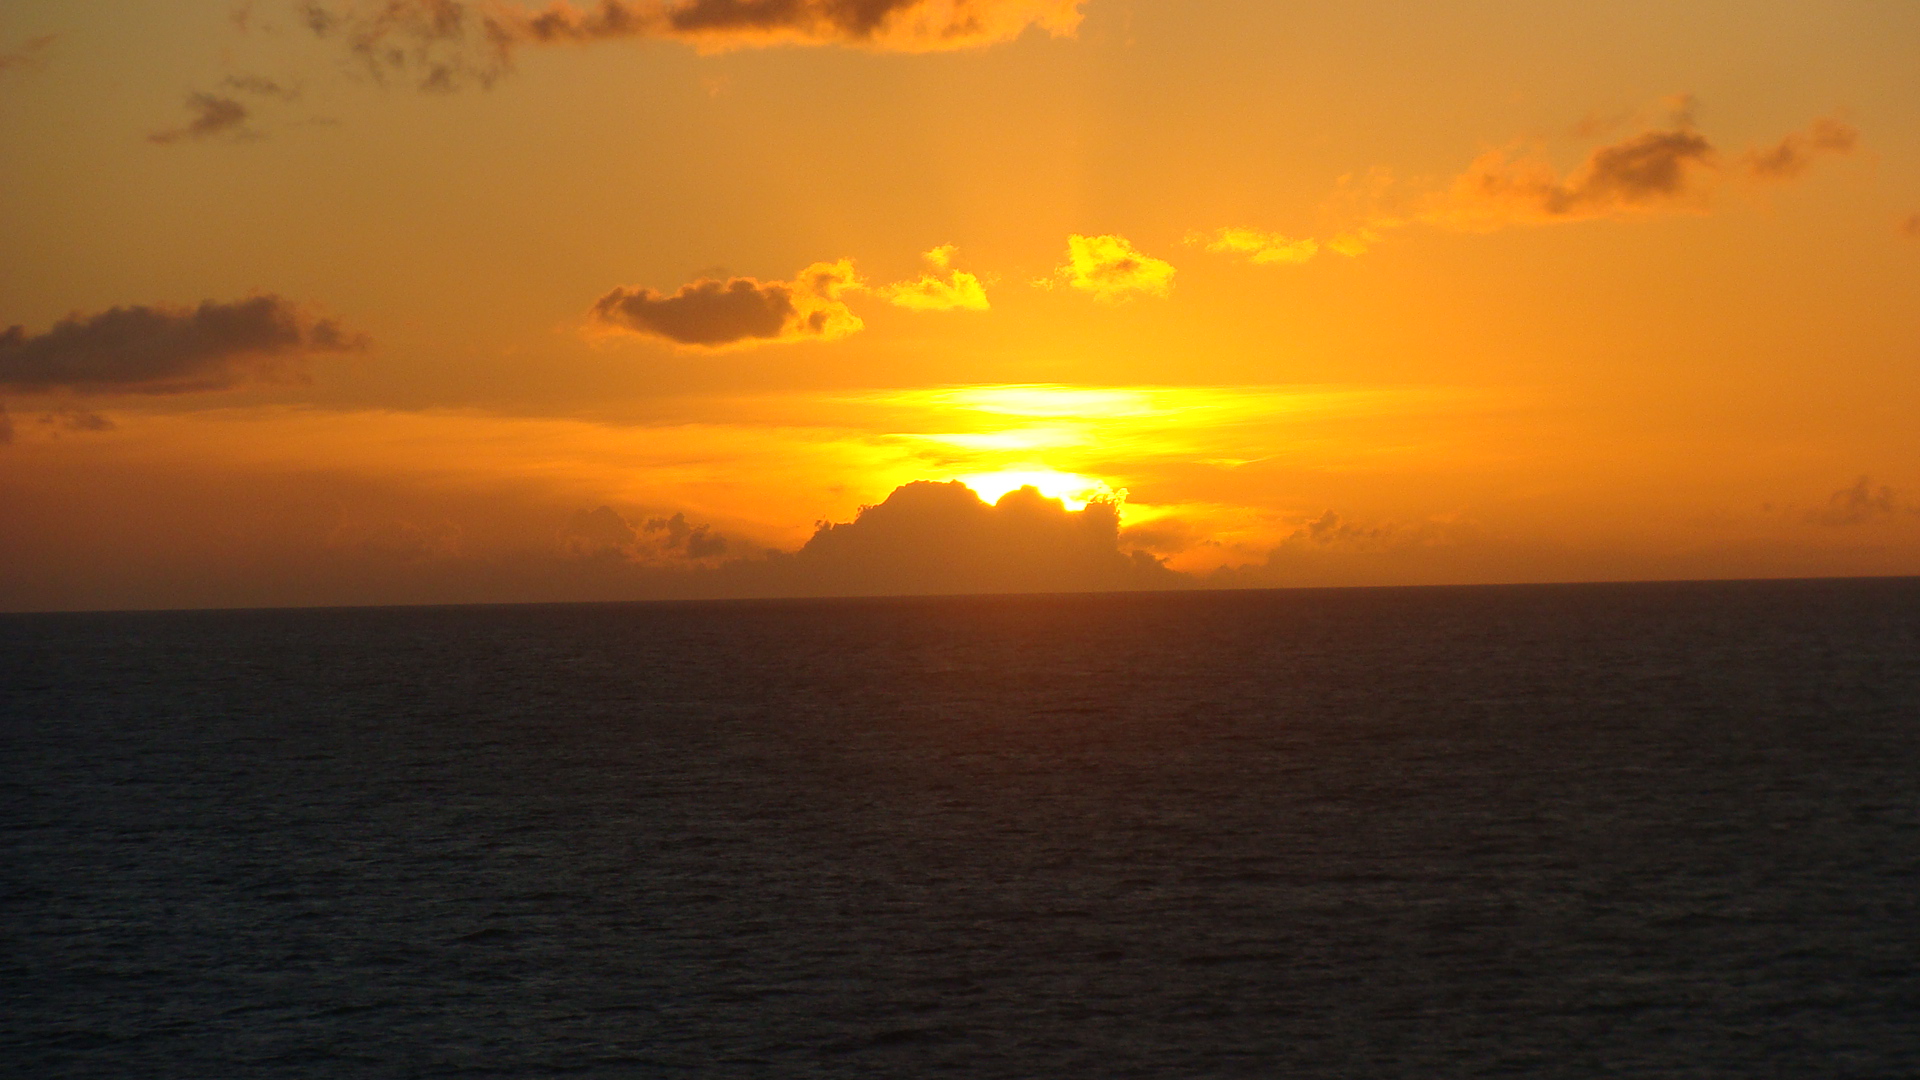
460, 300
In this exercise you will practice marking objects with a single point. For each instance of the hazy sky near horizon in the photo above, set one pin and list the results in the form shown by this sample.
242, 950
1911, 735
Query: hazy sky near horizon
447, 300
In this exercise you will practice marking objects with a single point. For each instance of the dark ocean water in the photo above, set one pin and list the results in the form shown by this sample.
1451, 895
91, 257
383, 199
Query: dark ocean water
1621, 831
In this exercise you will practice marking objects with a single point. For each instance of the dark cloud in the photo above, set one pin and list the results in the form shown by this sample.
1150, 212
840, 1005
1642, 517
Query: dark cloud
29, 55
160, 350
443, 44
1910, 227
6, 426
212, 116
1328, 529
941, 538
715, 313
695, 541
1856, 505
1792, 155
603, 533
1650, 170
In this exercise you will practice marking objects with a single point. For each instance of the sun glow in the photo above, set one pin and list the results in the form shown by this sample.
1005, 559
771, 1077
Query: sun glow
1073, 489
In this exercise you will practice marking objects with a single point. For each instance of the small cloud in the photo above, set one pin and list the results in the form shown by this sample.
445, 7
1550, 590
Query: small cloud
6, 426
1792, 155
713, 313
1910, 226
958, 291
1110, 268
212, 116
162, 350
29, 55
1652, 171
444, 44
1856, 505
1260, 248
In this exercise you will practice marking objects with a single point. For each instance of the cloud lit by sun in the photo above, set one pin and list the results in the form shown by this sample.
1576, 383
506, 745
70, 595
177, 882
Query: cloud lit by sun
752, 266
1074, 490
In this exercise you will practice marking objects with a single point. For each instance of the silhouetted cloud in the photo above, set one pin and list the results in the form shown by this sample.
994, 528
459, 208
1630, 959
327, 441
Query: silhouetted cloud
1792, 155
695, 541
6, 426
159, 350
1259, 248
1329, 529
931, 537
714, 313
604, 533
212, 115
1910, 226
29, 55
958, 291
441, 44
1856, 505
1111, 268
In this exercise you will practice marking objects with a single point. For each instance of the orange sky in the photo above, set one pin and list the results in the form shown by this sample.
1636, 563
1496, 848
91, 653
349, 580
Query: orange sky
458, 300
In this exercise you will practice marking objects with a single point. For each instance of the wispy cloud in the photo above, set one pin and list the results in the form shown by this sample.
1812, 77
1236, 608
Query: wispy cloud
161, 350
212, 116
443, 44
1794, 153
1259, 248
30, 54
1669, 169
261, 86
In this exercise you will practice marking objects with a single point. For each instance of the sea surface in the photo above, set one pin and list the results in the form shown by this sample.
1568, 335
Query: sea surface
1568, 831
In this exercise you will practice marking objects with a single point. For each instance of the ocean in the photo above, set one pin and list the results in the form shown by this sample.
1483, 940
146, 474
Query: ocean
1650, 830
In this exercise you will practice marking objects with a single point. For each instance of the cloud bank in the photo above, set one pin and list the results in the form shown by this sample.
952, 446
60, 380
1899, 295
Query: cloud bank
932, 537
442, 44
167, 350
1112, 269
712, 313
603, 533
